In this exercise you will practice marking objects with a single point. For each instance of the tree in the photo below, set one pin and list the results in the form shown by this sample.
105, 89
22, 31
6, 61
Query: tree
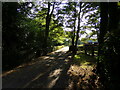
78, 28
11, 18
48, 19
26, 27
108, 45
71, 22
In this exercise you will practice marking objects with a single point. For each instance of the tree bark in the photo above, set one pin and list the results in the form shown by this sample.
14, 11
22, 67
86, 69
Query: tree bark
113, 16
103, 30
48, 19
103, 25
73, 38
78, 29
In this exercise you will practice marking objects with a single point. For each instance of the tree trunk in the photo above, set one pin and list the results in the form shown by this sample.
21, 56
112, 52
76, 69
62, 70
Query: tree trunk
48, 19
73, 38
113, 16
78, 29
103, 24
103, 28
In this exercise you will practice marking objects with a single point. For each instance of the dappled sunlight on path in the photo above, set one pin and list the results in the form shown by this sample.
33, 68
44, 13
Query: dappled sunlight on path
63, 49
55, 70
41, 73
82, 74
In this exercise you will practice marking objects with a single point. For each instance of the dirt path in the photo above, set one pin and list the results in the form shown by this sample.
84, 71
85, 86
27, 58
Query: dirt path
55, 70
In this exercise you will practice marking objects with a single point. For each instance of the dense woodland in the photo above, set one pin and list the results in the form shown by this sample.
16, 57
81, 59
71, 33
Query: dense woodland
33, 29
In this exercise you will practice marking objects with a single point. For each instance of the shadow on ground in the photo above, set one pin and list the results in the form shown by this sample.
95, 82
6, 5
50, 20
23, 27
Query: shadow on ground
82, 73
46, 72
55, 70
56, 75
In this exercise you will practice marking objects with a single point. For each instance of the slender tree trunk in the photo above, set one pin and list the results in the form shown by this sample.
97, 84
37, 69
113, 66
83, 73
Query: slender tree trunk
47, 24
48, 19
78, 29
73, 38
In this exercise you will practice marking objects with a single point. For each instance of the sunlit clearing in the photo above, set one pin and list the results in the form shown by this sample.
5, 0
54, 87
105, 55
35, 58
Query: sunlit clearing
55, 73
81, 45
63, 49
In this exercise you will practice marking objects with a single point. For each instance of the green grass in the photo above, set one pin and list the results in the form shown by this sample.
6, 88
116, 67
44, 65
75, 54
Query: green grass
82, 59
58, 47
80, 45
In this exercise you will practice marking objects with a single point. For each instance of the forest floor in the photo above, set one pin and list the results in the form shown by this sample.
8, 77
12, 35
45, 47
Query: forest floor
55, 70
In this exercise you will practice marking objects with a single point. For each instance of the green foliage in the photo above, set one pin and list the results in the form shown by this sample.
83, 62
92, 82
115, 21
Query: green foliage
24, 33
58, 47
82, 59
